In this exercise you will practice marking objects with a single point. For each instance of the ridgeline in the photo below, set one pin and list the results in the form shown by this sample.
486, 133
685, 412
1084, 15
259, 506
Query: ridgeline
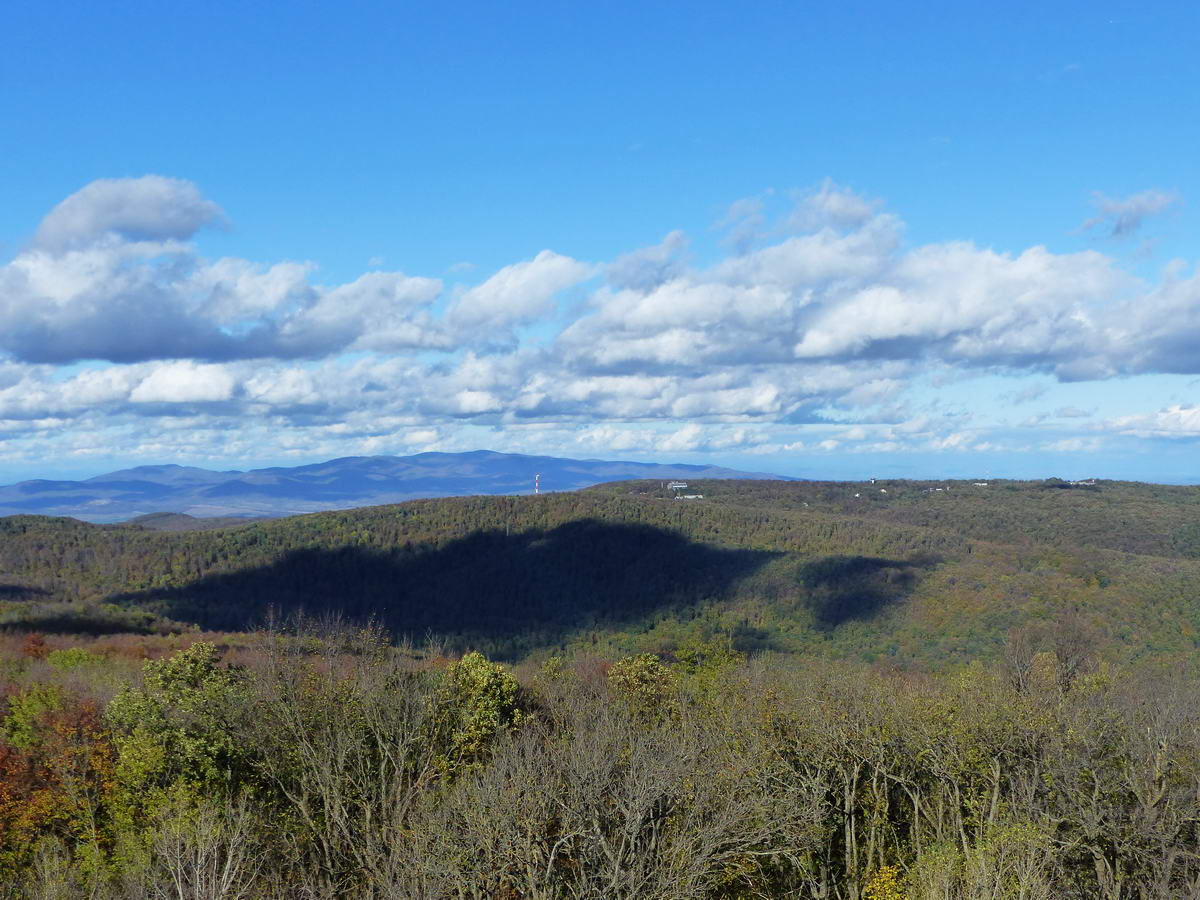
923, 575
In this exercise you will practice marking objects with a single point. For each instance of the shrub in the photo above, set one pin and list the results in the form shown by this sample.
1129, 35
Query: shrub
643, 682
478, 702
72, 658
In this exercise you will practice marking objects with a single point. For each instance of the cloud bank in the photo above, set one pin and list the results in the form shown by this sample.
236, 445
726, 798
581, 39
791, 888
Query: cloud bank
111, 319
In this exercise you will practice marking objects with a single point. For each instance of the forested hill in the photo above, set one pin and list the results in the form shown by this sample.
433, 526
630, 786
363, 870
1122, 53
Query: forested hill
1151, 519
896, 571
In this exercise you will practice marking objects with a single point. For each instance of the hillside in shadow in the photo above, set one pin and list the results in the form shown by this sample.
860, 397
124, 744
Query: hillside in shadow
844, 588
507, 592
21, 592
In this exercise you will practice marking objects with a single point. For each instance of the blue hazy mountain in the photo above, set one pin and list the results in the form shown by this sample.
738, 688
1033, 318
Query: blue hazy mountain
337, 484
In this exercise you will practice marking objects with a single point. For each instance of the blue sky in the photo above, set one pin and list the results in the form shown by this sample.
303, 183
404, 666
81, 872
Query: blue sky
829, 240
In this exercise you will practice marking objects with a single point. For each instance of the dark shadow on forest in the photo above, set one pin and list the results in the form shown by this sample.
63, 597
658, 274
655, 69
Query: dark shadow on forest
508, 593
92, 626
844, 588
21, 592
58, 617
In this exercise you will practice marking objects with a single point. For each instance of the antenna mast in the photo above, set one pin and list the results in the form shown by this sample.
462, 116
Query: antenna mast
537, 483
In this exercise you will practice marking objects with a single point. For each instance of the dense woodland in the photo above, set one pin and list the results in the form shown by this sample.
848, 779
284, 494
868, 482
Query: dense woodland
326, 763
781, 690
919, 578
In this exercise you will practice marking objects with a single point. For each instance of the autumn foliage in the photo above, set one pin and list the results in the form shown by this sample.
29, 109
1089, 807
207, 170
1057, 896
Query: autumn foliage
330, 763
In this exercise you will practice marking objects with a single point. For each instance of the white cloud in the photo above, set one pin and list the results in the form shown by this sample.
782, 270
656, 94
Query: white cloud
385, 311
830, 205
518, 293
853, 296
421, 437
831, 323
649, 267
1123, 216
150, 208
744, 222
475, 402
1072, 445
686, 438
283, 388
184, 382
1178, 421
234, 290
108, 277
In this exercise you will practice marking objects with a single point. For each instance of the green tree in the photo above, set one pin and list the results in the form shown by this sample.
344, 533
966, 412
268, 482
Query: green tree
643, 682
175, 743
478, 701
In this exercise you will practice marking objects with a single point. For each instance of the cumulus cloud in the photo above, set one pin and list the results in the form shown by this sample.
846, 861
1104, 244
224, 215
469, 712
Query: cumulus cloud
117, 303
831, 205
184, 382
150, 208
1178, 421
518, 293
850, 294
122, 286
1159, 330
649, 267
821, 320
287, 388
110, 276
384, 311
965, 305
1121, 217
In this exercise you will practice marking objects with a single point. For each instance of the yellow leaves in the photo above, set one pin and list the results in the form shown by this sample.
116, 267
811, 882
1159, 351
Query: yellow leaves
477, 702
142, 759
27, 710
56, 784
643, 682
885, 884
553, 669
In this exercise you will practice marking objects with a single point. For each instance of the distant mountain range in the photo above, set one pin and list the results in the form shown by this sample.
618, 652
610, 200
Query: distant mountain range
337, 484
